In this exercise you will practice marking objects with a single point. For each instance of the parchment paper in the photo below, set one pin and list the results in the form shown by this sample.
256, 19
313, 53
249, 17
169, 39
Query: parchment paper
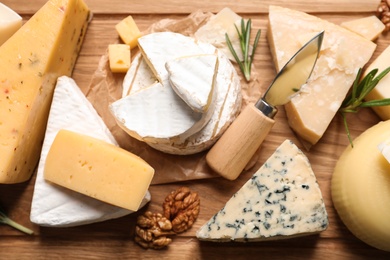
106, 87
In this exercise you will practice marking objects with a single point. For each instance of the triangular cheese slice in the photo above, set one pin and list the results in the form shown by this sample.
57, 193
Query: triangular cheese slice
53, 205
342, 54
281, 200
193, 79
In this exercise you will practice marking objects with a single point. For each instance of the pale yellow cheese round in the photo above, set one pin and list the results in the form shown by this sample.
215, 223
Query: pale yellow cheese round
361, 188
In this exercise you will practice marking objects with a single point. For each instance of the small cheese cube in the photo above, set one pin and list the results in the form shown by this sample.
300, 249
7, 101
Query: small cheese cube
10, 22
119, 57
382, 90
369, 27
128, 31
98, 169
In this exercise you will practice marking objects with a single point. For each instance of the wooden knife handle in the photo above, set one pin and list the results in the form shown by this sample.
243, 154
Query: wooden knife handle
231, 153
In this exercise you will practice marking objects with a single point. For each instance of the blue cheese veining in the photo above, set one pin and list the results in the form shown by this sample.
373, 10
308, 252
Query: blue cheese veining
281, 200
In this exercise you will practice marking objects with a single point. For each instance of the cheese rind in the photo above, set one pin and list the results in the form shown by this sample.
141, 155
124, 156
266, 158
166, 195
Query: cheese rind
45, 48
382, 89
384, 148
342, 53
360, 187
10, 22
56, 206
281, 200
369, 27
98, 169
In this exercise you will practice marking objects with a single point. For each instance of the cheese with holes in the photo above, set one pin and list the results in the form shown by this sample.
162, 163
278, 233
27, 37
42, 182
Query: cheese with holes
281, 200
342, 53
152, 70
128, 31
45, 48
193, 78
10, 22
369, 27
360, 187
98, 169
382, 89
56, 206
119, 57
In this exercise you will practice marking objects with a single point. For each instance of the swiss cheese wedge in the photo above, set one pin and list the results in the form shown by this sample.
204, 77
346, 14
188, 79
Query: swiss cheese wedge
342, 54
45, 48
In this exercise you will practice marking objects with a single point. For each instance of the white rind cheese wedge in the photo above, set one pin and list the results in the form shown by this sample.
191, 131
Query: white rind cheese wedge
10, 22
56, 206
282, 200
193, 78
382, 89
342, 53
360, 187
226, 108
384, 148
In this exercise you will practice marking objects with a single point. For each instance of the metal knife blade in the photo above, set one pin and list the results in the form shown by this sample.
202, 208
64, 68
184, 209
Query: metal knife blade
291, 77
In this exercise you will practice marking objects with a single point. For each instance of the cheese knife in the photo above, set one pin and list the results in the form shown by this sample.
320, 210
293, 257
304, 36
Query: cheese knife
231, 153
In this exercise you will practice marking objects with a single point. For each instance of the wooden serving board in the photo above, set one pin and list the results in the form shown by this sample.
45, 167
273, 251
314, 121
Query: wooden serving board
114, 238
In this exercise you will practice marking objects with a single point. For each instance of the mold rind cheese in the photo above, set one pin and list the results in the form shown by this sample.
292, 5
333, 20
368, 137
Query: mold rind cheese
342, 53
10, 22
98, 169
45, 48
281, 200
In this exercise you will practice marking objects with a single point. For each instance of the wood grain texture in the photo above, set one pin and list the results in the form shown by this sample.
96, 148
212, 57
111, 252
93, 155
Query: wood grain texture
114, 238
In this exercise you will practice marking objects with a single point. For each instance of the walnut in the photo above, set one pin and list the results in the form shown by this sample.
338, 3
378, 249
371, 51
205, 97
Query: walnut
181, 207
152, 231
383, 13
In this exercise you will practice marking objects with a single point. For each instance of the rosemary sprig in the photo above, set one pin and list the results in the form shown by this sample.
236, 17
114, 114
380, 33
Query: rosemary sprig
7, 221
355, 100
244, 36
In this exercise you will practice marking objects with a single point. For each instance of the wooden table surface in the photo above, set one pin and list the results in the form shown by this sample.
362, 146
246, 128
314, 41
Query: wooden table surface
114, 238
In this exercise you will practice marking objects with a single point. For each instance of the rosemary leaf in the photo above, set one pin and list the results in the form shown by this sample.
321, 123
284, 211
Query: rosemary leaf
7, 221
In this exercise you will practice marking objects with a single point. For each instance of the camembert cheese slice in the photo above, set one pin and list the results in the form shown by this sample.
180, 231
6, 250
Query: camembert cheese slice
98, 169
10, 22
45, 48
193, 79
281, 200
56, 206
342, 54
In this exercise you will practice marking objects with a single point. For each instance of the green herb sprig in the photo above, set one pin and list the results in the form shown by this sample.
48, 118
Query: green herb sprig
244, 36
7, 221
355, 100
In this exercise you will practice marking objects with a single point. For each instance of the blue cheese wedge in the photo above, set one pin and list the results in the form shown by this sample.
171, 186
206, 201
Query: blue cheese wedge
281, 200
56, 206
193, 79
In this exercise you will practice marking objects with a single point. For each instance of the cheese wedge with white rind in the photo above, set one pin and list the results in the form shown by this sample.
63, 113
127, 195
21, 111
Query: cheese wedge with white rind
139, 76
360, 187
281, 200
342, 53
384, 148
10, 22
192, 78
369, 27
382, 89
56, 206
45, 48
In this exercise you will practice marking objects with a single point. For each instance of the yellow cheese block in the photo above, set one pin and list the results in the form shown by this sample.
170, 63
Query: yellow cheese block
382, 90
45, 48
128, 31
369, 27
119, 57
342, 53
361, 188
98, 169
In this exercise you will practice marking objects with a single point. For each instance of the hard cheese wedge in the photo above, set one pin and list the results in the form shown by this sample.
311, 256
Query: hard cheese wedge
10, 22
45, 47
281, 200
369, 27
361, 187
98, 169
342, 54
193, 78
56, 206
382, 89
